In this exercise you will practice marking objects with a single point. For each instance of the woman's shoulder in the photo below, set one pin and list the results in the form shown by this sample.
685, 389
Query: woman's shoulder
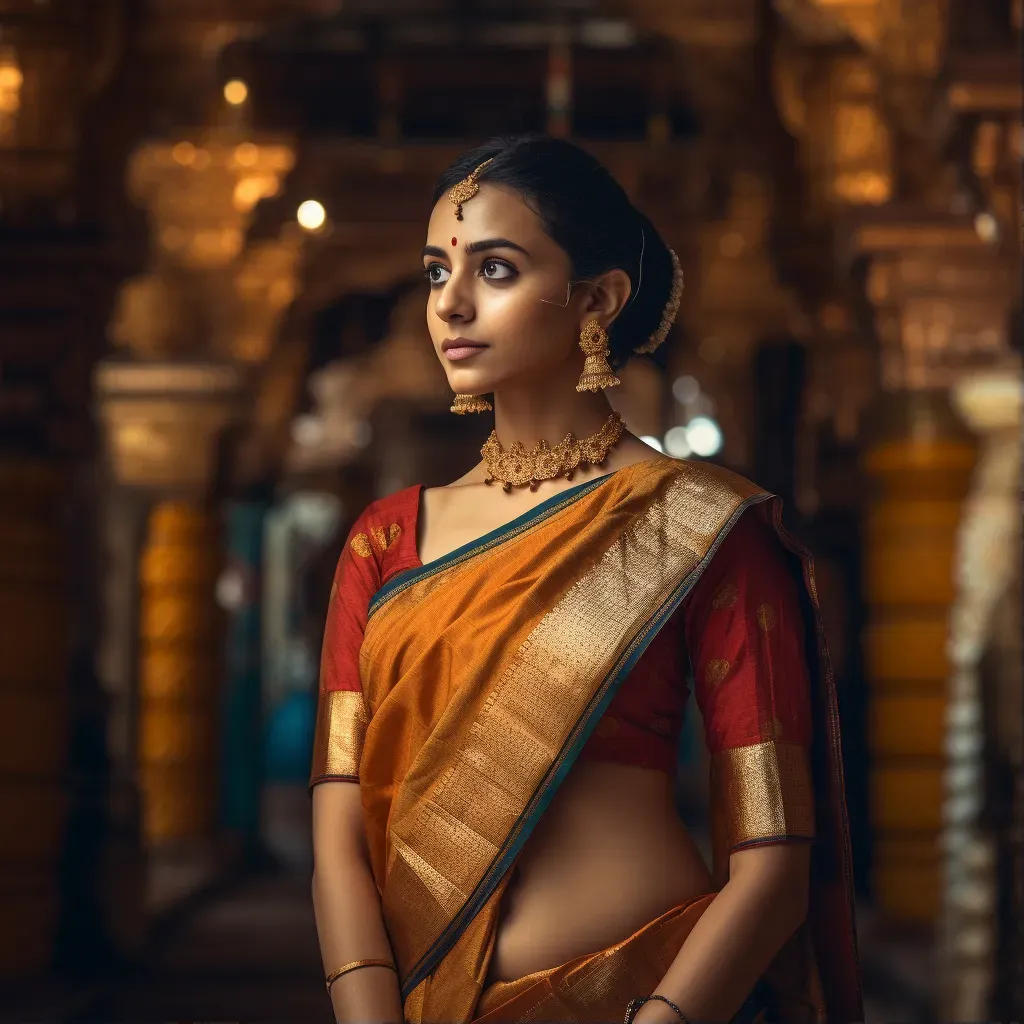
703, 481
385, 531
398, 504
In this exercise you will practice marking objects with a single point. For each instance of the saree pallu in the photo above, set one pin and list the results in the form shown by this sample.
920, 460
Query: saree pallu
483, 674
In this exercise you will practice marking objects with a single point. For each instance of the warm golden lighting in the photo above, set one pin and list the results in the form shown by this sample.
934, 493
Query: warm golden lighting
236, 92
184, 153
11, 80
247, 153
250, 190
986, 226
311, 215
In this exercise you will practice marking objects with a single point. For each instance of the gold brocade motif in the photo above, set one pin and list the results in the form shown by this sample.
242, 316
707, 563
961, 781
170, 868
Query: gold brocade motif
340, 727
385, 539
716, 671
765, 791
361, 545
725, 597
766, 617
451, 767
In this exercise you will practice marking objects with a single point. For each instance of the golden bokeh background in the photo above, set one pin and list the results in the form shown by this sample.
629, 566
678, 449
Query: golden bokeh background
213, 355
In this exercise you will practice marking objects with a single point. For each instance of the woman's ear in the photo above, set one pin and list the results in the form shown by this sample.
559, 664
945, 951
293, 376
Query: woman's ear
607, 295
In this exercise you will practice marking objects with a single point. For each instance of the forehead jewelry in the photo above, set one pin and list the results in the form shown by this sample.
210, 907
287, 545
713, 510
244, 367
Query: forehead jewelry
466, 189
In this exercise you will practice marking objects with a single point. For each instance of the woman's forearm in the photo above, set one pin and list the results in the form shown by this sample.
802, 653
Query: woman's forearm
350, 926
729, 948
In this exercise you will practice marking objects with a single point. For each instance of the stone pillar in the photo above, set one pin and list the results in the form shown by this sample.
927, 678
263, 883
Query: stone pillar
988, 550
164, 423
941, 302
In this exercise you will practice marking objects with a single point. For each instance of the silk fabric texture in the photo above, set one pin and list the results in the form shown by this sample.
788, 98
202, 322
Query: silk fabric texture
480, 678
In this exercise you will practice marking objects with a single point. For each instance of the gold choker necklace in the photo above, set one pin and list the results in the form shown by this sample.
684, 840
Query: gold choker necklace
518, 467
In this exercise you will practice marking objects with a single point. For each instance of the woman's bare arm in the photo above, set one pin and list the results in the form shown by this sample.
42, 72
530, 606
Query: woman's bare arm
347, 907
737, 937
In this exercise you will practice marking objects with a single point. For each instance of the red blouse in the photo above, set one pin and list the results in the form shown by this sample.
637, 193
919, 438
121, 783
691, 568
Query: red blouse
739, 630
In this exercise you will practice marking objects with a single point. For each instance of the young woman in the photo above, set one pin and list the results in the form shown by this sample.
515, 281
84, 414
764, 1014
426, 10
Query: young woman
507, 661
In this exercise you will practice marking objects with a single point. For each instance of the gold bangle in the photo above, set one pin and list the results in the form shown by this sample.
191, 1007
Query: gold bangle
355, 965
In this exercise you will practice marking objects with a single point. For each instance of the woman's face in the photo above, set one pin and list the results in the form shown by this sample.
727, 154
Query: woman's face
498, 289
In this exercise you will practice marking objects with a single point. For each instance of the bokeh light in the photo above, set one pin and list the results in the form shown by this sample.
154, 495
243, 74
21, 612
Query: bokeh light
236, 92
311, 215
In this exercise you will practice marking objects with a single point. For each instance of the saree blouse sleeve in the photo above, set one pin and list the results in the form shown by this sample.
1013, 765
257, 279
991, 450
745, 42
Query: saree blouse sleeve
746, 638
341, 712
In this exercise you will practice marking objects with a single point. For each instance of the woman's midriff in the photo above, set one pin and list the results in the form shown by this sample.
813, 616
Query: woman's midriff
609, 855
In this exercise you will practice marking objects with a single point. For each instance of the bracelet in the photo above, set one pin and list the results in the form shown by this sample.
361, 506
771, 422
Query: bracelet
635, 1004
355, 965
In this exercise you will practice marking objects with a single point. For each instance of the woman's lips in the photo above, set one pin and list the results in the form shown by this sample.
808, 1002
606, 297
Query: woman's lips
457, 352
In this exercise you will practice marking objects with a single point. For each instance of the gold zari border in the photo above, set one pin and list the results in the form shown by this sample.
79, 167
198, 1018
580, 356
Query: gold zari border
340, 727
764, 791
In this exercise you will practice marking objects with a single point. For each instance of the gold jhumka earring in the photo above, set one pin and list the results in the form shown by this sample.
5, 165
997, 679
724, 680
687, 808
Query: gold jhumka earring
597, 373
470, 403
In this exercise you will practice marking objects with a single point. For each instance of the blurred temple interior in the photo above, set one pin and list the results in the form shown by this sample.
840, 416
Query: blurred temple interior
213, 355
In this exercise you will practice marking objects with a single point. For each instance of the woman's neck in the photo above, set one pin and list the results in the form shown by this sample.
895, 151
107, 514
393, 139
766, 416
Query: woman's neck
533, 413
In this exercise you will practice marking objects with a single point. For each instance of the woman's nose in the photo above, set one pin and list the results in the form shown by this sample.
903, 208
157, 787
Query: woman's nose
455, 301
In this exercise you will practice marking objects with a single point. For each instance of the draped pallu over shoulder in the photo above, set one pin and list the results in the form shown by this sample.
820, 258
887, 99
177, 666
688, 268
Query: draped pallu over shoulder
484, 673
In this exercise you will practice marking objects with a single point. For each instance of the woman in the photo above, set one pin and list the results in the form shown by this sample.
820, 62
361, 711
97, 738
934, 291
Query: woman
505, 670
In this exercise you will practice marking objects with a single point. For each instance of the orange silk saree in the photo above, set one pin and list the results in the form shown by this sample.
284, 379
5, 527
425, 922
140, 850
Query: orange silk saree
480, 677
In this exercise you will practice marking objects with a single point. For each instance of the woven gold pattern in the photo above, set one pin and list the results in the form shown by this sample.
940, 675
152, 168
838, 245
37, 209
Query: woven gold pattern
725, 597
597, 373
338, 742
765, 791
503, 714
518, 467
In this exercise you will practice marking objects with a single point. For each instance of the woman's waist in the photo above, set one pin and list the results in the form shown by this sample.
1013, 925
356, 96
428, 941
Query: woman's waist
599, 872
587, 883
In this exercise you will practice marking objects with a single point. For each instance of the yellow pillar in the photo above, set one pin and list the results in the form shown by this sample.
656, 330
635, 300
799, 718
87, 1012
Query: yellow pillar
34, 710
941, 299
179, 672
919, 465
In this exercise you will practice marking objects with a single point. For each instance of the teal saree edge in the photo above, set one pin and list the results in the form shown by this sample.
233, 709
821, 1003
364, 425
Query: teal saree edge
559, 769
533, 516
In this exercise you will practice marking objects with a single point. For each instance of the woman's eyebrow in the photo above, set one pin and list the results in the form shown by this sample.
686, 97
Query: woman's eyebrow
493, 243
434, 250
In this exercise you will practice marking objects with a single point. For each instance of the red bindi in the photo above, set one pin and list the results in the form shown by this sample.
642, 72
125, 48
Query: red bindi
455, 241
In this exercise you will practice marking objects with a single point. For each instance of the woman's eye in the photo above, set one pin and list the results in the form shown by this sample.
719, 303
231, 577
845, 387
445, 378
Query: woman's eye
497, 270
437, 273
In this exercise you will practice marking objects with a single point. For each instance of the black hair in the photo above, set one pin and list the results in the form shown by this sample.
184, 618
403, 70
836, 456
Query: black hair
587, 212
